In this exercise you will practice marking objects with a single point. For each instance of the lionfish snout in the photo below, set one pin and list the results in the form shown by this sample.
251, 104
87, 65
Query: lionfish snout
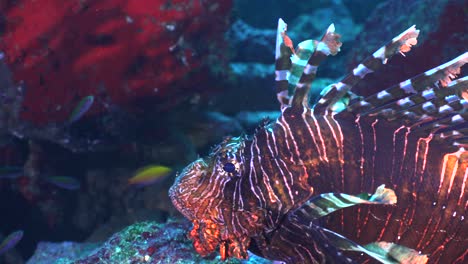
183, 191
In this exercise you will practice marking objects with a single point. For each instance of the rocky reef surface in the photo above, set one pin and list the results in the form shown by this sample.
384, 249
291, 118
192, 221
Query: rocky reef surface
144, 242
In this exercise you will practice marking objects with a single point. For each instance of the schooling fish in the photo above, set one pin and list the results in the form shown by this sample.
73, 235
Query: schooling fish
384, 175
10, 241
81, 108
149, 175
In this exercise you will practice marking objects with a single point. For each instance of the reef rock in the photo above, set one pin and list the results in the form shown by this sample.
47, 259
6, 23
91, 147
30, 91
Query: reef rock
145, 242
131, 55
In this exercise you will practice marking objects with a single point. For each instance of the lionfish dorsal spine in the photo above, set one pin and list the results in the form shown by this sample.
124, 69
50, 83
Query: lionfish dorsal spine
399, 44
431, 101
296, 70
328, 45
424, 84
282, 65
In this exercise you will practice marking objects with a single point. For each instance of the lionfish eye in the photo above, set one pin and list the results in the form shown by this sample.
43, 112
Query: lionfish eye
229, 167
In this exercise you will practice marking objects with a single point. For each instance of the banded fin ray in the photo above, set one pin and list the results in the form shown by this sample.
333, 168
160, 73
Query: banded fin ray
296, 242
329, 45
335, 92
282, 65
295, 69
427, 103
327, 203
324, 204
449, 129
430, 102
385, 252
423, 84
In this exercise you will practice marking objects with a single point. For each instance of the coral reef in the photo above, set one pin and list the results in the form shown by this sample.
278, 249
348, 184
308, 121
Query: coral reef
145, 242
62, 252
122, 52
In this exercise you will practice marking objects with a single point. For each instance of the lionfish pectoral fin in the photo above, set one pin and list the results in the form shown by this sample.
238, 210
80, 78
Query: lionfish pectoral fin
327, 203
301, 242
397, 252
399, 44
385, 252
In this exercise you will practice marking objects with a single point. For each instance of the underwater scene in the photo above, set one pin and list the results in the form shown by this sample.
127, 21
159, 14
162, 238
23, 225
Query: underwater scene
233, 131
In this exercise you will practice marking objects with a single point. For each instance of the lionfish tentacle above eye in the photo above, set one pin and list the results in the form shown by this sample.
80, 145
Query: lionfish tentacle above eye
399, 44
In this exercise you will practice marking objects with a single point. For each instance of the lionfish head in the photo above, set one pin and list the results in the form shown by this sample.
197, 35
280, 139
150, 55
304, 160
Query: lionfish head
204, 193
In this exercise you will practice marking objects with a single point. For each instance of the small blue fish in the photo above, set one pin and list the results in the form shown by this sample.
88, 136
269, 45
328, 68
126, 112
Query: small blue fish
64, 182
10, 172
81, 108
10, 241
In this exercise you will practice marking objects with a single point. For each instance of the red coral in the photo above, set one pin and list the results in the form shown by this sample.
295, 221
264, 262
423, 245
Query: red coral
120, 50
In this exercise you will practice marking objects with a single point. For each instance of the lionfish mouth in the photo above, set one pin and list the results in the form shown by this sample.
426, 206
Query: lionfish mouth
207, 235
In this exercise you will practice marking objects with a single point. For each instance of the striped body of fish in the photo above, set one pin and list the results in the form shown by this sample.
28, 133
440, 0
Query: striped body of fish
347, 180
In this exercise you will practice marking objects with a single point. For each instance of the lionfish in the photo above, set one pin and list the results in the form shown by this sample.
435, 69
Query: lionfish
348, 179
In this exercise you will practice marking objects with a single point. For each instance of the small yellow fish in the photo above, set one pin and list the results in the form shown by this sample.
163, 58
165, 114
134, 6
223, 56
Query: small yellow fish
149, 175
